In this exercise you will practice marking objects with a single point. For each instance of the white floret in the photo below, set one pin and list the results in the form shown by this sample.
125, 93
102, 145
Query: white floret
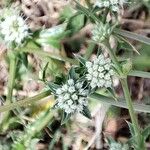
101, 74
14, 29
88, 64
70, 82
71, 89
71, 97
74, 97
66, 96
65, 87
59, 91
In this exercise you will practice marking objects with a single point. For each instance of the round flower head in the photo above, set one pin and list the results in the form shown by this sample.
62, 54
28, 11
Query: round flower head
71, 97
13, 29
114, 5
99, 72
100, 32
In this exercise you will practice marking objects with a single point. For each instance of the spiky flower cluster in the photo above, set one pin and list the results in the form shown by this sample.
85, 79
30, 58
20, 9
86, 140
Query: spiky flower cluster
71, 97
13, 28
99, 72
114, 5
100, 32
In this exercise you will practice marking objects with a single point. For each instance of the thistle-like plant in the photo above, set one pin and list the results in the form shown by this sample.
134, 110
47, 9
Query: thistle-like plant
13, 28
84, 77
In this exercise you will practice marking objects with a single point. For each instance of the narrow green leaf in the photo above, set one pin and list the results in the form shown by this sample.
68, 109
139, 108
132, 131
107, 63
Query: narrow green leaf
120, 103
25, 102
133, 36
141, 74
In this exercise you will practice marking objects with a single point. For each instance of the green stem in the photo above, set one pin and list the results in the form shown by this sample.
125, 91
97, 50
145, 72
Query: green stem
130, 106
127, 96
113, 57
11, 82
25, 102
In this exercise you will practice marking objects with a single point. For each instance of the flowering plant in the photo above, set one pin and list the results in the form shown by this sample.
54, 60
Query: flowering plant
80, 79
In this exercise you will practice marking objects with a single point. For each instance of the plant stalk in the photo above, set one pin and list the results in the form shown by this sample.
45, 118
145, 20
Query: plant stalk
130, 106
11, 82
127, 96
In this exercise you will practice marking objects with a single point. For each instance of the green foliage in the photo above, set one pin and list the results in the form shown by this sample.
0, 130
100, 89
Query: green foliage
113, 145
52, 36
53, 66
75, 23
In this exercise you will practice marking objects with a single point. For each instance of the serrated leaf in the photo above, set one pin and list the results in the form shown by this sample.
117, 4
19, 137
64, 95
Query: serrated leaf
86, 112
65, 118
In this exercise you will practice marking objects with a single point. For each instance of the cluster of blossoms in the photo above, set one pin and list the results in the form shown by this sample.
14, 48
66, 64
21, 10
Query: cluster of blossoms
99, 72
13, 27
100, 32
72, 97
114, 5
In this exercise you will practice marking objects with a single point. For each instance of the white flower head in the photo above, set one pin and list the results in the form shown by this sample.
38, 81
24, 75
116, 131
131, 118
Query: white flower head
100, 32
13, 28
102, 74
114, 5
71, 97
